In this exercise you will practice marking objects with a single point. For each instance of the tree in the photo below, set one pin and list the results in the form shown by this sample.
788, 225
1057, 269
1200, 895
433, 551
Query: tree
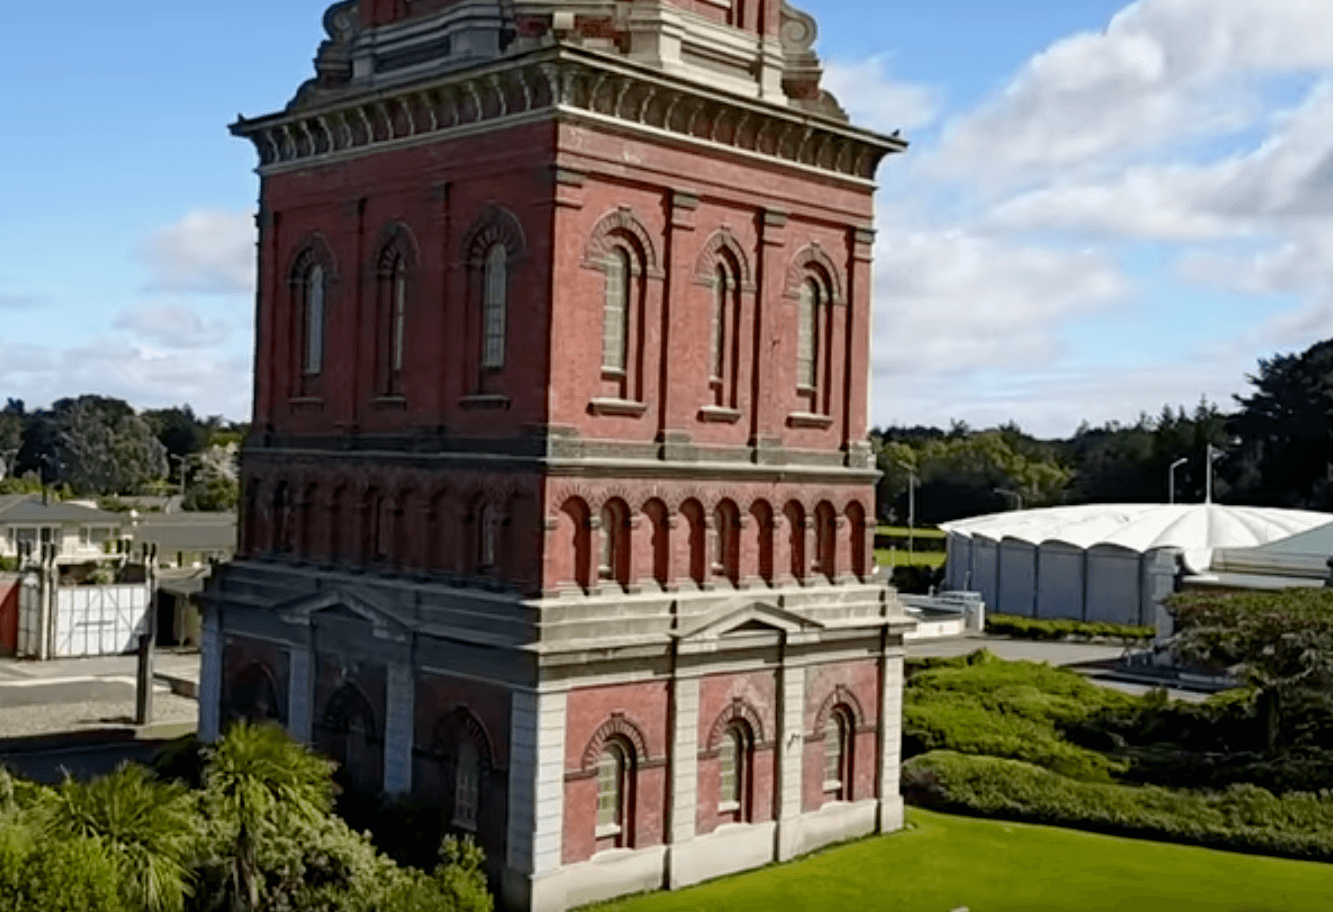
216, 483
1279, 642
1286, 431
149, 828
100, 446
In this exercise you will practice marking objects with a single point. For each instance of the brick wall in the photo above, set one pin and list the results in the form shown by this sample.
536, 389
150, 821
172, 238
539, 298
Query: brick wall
638, 713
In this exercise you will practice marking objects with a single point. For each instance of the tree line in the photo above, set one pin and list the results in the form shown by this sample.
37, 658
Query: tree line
1275, 448
99, 446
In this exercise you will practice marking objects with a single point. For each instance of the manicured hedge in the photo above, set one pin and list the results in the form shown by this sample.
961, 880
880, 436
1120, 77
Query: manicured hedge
1027, 628
1243, 817
984, 705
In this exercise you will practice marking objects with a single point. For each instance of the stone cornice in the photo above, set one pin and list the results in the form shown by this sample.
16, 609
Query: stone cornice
562, 81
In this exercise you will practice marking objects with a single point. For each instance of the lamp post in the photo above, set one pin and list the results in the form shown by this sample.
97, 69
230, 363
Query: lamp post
1214, 454
180, 461
1171, 478
1018, 498
911, 508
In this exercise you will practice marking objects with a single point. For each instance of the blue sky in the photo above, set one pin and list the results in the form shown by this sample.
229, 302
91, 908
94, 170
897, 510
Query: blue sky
1107, 206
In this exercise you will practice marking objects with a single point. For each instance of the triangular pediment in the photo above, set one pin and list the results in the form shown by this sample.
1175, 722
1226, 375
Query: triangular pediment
339, 603
750, 616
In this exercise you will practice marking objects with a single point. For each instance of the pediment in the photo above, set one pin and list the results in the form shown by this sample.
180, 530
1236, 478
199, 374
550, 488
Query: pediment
745, 617
341, 604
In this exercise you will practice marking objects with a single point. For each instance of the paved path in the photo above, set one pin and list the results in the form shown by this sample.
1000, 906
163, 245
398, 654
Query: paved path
97, 694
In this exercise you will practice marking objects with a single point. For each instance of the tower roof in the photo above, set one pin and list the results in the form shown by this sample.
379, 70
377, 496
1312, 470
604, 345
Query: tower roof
763, 51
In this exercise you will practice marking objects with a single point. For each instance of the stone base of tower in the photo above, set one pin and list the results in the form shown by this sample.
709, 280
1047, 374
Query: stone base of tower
595, 745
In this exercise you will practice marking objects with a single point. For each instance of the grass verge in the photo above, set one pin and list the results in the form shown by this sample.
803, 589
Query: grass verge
944, 862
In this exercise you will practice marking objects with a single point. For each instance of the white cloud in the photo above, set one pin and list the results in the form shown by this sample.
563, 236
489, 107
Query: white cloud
874, 99
208, 251
950, 303
213, 382
172, 325
1162, 72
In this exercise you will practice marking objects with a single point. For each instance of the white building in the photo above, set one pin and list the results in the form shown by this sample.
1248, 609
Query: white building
1102, 562
80, 532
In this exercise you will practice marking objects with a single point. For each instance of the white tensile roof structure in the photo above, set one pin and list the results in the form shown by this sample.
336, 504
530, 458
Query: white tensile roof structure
1196, 529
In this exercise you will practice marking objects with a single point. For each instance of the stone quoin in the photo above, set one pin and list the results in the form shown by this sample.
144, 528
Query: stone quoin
558, 505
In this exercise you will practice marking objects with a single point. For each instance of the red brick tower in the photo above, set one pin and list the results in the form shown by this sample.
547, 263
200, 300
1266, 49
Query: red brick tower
558, 506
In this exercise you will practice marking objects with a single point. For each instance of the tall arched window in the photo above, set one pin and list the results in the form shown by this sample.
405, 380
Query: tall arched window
494, 302
718, 343
488, 527
313, 348
728, 522
826, 543
613, 768
615, 311
807, 339
837, 756
398, 329
467, 785
734, 772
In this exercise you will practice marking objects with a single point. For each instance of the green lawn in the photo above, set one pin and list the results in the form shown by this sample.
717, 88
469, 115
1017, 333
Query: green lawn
945, 862
900, 557
919, 532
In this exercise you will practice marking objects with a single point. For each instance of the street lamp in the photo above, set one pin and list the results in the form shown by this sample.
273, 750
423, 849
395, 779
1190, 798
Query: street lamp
1018, 498
1171, 478
911, 506
1214, 454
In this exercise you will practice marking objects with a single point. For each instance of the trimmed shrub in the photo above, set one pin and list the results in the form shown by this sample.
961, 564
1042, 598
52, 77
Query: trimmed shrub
1243, 817
1026, 628
983, 705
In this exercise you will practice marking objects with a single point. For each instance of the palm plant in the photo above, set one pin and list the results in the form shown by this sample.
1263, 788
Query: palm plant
261, 788
150, 828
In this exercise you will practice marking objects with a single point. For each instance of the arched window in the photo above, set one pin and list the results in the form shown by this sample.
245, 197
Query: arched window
727, 562
467, 785
660, 523
613, 768
494, 302
718, 343
794, 513
734, 772
838, 756
313, 324
282, 519
826, 543
698, 533
807, 338
487, 536
615, 311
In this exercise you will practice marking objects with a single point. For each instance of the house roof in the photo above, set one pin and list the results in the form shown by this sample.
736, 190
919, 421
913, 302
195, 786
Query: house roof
28, 509
187, 531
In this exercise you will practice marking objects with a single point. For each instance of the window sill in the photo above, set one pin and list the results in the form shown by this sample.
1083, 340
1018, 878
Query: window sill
728, 807
809, 420
468, 825
484, 401
305, 403
719, 414
832, 785
628, 407
389, 402
606, 831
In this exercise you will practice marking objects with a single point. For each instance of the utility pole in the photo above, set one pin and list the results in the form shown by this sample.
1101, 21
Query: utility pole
1171, 478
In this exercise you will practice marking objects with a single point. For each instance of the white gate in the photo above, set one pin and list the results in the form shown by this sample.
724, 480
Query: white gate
99, 620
